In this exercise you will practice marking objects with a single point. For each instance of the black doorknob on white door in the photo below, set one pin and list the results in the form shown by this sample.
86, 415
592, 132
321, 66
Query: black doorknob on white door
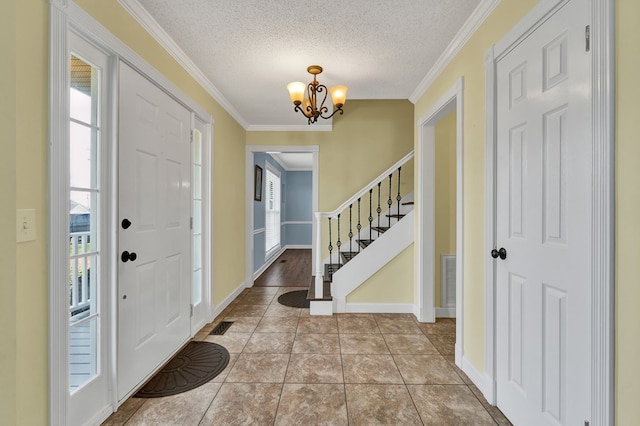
126, 256
502, 253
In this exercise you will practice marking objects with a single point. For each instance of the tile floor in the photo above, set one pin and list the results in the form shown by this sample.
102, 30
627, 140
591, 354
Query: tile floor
288, 368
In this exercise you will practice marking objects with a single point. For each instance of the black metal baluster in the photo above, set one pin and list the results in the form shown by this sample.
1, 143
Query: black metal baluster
330, 251
379, 210
389, 202
370, 216
350, 230
398, 197
338, 244
359, 225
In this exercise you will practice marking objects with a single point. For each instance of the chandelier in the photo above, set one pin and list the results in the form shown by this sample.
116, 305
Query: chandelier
307, 103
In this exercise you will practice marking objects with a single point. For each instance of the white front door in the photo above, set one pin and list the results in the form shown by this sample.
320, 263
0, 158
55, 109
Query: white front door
154, 290
543, 223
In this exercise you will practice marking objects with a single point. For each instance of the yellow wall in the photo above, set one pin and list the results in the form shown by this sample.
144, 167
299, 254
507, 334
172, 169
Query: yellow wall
365, 141
228, 140
627, 249
31, 192
391, 284
445, 196
8, 214
469, 63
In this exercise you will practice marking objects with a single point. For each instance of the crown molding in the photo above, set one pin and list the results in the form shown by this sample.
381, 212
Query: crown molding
140, 14
472, 24
290, 128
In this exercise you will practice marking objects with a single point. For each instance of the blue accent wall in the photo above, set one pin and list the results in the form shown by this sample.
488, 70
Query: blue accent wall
296, 199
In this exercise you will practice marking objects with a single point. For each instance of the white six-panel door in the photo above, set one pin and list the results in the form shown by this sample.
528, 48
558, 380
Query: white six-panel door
154, 289
543, 223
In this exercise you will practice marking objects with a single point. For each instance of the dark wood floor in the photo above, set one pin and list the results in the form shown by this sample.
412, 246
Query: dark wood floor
291, 269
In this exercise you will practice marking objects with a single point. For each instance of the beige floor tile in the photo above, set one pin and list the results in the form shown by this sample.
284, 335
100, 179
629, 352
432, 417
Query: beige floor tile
357, 325
208, 327
125, 411
248, 311
370, 369
448, 405
186, 408
259, 368
441, 326
444, 343
494, 412
380, 405
200, 336
244, 404
316, 344
409, 344
277, 325
305, 312
312, 404
363, 344
398, 325
257, 299
269, 343
233, 342
242, 324
223, 375
277, 310
314, 368
426, 369
317, 325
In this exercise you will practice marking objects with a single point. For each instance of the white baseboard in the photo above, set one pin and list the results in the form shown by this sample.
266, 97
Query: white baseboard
298, 246
482, 381
446, 312
380, 308
227, 301
101, 415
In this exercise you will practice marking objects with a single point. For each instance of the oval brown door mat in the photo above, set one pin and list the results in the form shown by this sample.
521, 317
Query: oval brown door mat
196, 364
294, 299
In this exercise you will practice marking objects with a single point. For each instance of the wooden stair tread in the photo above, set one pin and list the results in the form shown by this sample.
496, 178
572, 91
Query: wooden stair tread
397, 216
348, 255
380, 229
407, 203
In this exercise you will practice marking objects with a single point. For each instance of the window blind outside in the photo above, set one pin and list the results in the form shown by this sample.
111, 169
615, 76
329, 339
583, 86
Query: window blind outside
272, 212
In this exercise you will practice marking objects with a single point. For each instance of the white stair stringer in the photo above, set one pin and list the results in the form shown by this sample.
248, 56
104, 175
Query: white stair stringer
385, 248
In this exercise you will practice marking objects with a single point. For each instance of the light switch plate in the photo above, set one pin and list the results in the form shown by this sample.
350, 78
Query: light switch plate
25, 225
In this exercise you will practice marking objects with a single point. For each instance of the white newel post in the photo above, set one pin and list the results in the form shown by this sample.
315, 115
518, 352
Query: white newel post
318, 249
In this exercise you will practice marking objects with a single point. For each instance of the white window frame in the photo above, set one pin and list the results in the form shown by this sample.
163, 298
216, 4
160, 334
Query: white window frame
270, 251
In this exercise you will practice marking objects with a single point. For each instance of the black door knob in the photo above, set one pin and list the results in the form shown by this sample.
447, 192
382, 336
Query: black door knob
502, 253
126, 256
126, 223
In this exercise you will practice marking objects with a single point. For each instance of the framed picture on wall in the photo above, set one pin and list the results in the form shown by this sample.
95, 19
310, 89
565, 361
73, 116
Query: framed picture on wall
257, 184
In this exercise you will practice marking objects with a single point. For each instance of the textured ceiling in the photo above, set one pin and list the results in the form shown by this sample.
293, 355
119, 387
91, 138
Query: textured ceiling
250, 50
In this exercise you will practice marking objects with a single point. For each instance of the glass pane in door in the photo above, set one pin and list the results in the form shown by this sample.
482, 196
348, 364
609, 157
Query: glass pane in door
84, 241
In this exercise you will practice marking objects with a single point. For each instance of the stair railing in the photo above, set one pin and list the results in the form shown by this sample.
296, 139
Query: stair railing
336, 214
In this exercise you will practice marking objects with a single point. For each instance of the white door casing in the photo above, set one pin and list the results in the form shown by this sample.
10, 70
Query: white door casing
154, 292
543, 199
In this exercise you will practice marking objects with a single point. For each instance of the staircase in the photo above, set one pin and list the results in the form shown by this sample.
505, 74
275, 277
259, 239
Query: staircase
361, 236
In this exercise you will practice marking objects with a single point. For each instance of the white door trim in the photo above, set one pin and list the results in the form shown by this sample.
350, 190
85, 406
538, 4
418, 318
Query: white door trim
425, 190
602, 231
66, 16
248, 180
